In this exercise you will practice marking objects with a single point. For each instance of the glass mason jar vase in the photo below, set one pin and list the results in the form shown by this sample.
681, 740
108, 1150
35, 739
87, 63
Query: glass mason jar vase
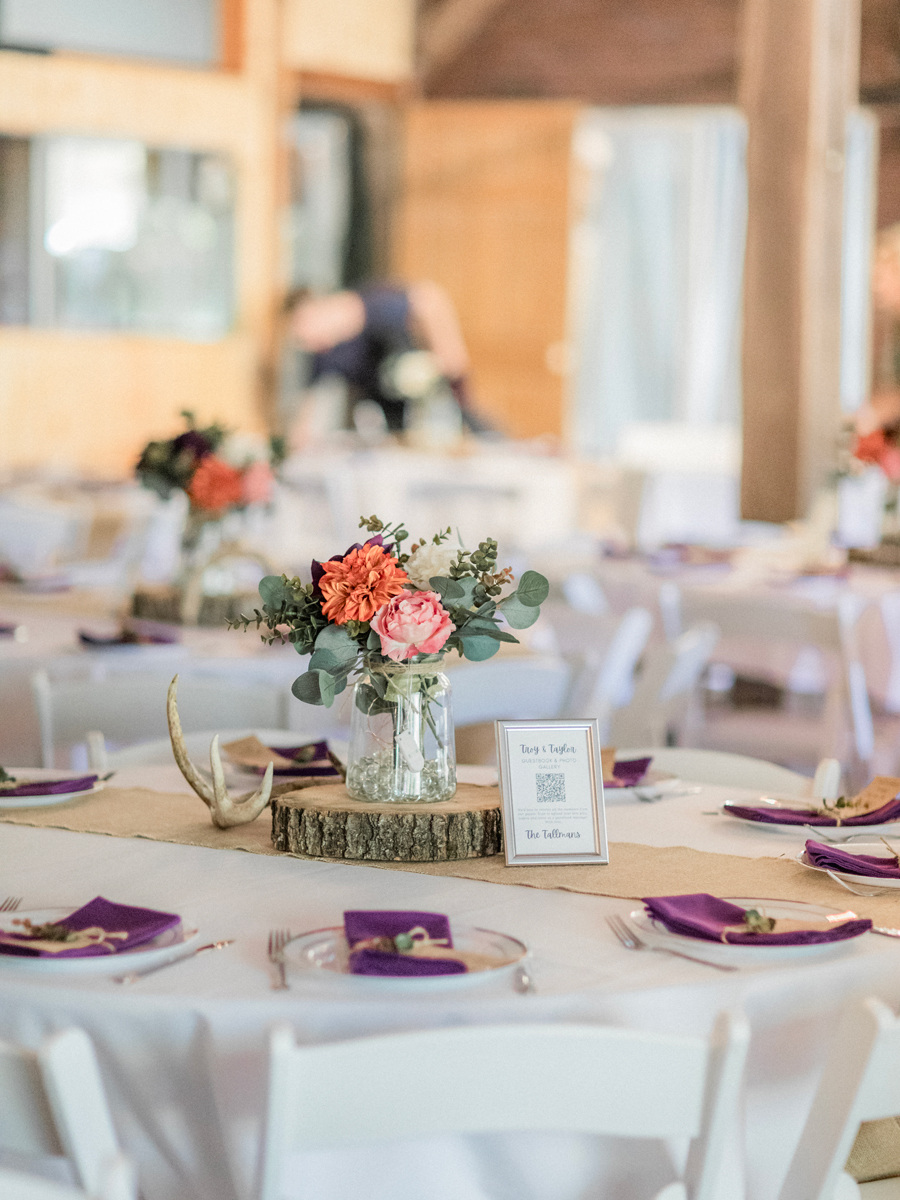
401, 734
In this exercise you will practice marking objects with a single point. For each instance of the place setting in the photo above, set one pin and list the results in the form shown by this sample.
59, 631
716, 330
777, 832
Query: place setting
405, 952
40, 787
98, 938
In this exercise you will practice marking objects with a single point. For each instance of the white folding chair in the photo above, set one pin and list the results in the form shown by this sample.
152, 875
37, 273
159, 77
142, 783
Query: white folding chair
666, 695
501, 1078
117, 1183
606, 681
52, 1102
861, 1082
508, 689
721, 769
128, 708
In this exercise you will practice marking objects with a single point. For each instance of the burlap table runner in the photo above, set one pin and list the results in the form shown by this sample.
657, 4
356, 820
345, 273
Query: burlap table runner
633, 870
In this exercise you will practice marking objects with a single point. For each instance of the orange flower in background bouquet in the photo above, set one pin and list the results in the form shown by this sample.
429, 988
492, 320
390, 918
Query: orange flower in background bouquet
215, 486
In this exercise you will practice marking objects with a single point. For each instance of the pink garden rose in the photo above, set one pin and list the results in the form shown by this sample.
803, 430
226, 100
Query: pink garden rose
257, 483
412, 623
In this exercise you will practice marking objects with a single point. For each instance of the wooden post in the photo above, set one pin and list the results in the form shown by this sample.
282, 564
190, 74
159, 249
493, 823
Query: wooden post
799, 77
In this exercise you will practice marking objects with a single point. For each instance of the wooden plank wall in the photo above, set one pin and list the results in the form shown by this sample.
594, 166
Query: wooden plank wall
485, 213
90, 400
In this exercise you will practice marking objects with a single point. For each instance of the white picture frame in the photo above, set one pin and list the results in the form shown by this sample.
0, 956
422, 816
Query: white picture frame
551, 790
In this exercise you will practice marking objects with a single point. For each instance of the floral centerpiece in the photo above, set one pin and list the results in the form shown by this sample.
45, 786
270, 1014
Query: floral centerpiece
220, 471
387, 617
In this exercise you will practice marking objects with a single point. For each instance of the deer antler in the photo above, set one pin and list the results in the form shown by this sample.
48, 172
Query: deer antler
225, 810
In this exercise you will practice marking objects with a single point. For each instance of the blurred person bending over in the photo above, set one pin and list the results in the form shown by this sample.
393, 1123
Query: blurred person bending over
364, 335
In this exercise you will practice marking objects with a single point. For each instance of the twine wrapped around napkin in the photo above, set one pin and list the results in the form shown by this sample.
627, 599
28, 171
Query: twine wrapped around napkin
122, 927
56, 787
704, 916
833, 858
431, 954
876, 804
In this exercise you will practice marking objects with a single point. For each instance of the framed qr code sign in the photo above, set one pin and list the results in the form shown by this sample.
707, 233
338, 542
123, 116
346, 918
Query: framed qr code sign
551, 785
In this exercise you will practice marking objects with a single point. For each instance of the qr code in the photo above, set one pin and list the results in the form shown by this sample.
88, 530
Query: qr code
551, 787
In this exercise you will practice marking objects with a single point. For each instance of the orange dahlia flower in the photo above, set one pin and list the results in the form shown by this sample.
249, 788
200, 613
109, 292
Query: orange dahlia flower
356, 586
215, 485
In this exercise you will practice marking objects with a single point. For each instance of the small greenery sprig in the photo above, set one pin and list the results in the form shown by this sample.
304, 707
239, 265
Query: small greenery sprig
471, 593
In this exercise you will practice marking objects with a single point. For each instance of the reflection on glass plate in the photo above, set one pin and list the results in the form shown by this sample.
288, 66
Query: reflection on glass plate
170, 944
656, 933
876, 849
46, 799
323, 954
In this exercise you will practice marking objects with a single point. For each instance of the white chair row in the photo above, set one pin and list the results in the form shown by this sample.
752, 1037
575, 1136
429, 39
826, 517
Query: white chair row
584, 1078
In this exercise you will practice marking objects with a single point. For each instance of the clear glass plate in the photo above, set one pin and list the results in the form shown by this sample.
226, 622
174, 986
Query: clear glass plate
653, 931
324, 954
169, 944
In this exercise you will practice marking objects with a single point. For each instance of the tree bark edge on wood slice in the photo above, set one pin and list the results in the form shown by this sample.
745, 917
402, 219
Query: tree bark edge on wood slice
324, 822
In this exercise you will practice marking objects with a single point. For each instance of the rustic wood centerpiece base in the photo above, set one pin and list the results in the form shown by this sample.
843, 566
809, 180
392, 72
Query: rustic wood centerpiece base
325, 823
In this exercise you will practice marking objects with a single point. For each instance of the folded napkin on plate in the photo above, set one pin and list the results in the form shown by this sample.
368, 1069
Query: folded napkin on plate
366, 927
833, 858
309, 761
707, 917
46, 787
122, 925
628, 773
807, 816
132, 636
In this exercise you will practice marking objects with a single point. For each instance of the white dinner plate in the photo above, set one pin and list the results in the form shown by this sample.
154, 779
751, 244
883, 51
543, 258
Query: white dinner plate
874, 848
655, 932
170, 944
887, 829
323, 954
46, 799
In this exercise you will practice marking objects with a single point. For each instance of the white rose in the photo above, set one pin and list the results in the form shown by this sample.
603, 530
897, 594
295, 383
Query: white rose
429, 561
242, 449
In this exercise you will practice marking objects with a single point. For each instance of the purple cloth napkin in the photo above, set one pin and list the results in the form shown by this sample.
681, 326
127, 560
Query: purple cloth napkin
628, 773
57, 787
360, 925
705, 916
141, 925
833, 858
797, 816
315, 766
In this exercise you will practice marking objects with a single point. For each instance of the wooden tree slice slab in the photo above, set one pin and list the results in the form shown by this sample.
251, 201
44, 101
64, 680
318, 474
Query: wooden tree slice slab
325, 823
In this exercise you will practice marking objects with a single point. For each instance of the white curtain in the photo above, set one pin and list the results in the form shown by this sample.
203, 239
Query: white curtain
860, 189
657, 269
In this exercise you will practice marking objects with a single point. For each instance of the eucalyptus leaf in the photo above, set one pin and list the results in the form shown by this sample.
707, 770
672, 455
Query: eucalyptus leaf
533, 589
337, 641
324, 660
447, 589
369, 702
307, 689
274, 591
373, 641
479, 647
466, 594
517, 614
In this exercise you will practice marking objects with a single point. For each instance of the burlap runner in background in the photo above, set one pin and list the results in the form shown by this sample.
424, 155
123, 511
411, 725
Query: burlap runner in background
633, 871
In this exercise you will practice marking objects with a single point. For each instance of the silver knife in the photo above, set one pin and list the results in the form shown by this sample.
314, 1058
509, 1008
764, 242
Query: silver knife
170, 962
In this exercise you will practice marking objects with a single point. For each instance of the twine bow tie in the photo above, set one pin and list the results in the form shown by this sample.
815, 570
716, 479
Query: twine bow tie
416, 941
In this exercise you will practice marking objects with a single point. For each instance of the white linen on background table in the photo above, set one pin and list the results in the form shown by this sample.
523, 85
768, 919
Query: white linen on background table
184, 1051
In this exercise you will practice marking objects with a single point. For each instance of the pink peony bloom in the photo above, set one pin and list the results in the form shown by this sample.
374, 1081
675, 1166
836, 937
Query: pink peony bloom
412, 623
257, 483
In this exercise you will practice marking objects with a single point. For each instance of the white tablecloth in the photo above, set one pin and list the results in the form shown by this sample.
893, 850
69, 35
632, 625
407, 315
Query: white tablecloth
183, 1051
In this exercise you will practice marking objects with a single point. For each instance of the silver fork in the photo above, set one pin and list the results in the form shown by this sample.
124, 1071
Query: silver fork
10, 904
278, 939
857, 891
631, 941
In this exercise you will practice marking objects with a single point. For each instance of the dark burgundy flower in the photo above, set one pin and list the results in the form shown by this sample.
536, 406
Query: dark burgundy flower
194, 442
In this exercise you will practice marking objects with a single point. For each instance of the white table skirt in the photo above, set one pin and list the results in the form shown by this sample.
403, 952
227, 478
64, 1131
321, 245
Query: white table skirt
184, 1051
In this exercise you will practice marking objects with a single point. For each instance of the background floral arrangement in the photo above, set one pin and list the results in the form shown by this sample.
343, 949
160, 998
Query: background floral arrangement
219, 470
376, 605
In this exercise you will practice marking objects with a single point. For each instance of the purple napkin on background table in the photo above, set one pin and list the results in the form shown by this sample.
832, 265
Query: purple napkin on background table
57, 787
628, 773
360, 925
141, 925
796, 816
705, 916
320, 764
833, 858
